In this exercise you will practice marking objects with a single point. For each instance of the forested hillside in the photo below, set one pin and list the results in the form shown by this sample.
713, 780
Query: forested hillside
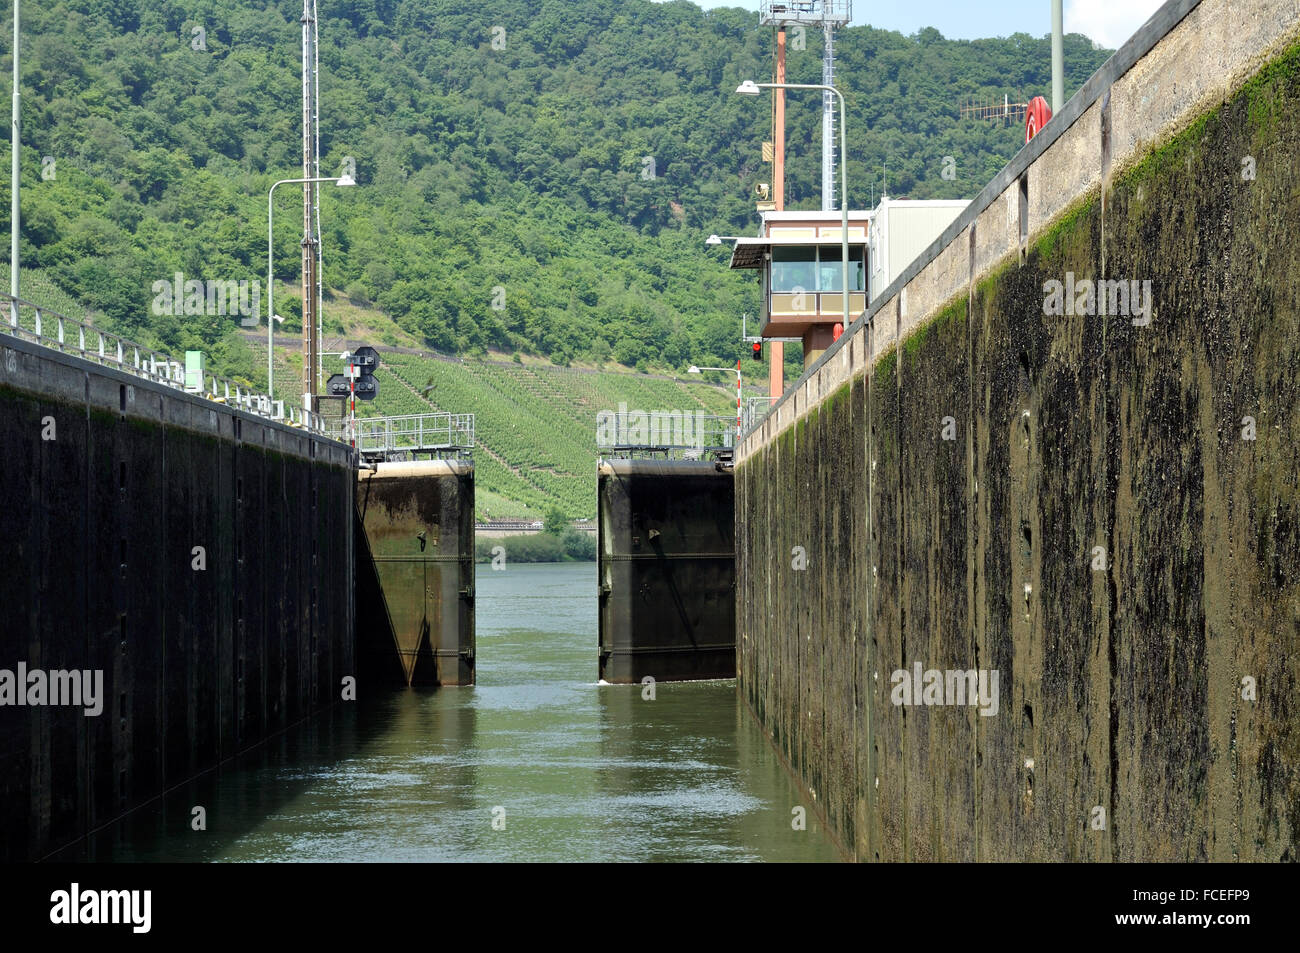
560, 160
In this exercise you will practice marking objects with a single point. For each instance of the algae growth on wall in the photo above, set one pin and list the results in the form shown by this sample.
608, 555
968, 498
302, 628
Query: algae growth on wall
195, 559
1099, 507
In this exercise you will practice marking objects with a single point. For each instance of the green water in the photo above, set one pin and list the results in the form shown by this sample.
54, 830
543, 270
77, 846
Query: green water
582, 771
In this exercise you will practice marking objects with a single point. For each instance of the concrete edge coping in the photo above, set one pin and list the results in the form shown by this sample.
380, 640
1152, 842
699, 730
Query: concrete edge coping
398, 469
111, 373
646, 467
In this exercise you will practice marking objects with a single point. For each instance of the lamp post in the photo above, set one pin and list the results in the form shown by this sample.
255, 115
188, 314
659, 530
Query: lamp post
15, 142
697, 370
751, 88
1058, 60
341, 180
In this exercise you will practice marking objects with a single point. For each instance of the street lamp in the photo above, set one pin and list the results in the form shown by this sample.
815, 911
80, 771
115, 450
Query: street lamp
697, 370
271, 316
15, 144
751, 88
719, 239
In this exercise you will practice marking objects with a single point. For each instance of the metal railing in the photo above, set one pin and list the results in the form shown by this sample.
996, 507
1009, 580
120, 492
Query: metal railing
32, 322
837, 12
756, 409
684, 434
410, 434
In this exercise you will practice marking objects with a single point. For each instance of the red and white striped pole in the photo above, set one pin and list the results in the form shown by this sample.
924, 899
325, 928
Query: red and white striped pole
352, 399
737, 402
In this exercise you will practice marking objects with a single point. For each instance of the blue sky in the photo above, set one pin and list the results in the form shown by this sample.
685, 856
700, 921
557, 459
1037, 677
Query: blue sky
1107, 22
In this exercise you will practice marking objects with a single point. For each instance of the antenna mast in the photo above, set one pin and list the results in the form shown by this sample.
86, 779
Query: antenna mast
310, 212
833, 15
829, 15
320, 266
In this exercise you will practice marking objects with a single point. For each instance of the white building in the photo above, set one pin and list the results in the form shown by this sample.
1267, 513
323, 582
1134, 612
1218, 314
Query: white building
900, 230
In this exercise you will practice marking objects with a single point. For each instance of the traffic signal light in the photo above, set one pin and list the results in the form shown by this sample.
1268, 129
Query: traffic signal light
758, 350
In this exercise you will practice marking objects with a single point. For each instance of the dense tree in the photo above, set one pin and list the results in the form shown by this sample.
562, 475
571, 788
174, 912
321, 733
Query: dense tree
572, 154
556, 521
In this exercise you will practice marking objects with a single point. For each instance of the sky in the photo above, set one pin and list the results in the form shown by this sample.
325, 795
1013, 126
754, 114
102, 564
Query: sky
1108, 23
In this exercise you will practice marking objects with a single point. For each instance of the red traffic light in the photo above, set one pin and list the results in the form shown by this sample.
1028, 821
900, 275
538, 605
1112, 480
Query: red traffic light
758, 350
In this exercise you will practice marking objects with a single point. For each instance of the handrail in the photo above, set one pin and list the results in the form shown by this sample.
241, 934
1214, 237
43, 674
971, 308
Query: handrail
663, 431
752, 411
408, 433
49, 328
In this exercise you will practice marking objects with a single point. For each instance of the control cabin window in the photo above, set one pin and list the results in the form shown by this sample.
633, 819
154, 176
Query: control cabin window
794, 269
815, 268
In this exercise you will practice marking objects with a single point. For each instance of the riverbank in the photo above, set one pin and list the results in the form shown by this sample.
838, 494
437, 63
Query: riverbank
572, 546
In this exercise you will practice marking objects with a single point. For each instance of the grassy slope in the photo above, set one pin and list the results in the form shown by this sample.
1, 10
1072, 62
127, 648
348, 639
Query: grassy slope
40, 290
535, 423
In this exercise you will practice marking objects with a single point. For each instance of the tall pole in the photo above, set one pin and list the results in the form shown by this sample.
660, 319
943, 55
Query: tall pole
776, 349
309, 300
270, 294
737, 402
1058, 58
828, 119
844, 209
270, 274
15, 139
315, 173
778, 126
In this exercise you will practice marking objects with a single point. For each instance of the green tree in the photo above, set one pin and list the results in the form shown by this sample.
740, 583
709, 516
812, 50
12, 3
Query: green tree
579, 167
556, 521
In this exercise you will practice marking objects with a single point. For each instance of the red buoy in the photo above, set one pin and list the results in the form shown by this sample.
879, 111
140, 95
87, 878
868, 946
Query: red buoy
1036, 116
837, 331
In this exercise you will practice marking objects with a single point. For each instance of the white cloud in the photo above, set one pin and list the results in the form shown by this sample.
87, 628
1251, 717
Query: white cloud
1108, 22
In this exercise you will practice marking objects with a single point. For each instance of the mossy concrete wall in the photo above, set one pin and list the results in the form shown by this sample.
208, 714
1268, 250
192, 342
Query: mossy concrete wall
1104, 512
199, 557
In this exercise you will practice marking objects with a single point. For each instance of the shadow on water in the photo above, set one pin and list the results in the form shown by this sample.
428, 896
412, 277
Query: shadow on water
535, 762
257, 787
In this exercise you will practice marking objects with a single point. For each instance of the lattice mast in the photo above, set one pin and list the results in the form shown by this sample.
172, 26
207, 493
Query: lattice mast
310, 210
829, 15
320, 265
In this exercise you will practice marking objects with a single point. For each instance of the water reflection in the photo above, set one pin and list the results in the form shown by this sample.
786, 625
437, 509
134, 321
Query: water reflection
568, 769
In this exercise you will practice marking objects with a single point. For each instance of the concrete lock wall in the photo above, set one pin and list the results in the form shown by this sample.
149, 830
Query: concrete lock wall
415, 573
199, 557
1100, 508
666, 555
